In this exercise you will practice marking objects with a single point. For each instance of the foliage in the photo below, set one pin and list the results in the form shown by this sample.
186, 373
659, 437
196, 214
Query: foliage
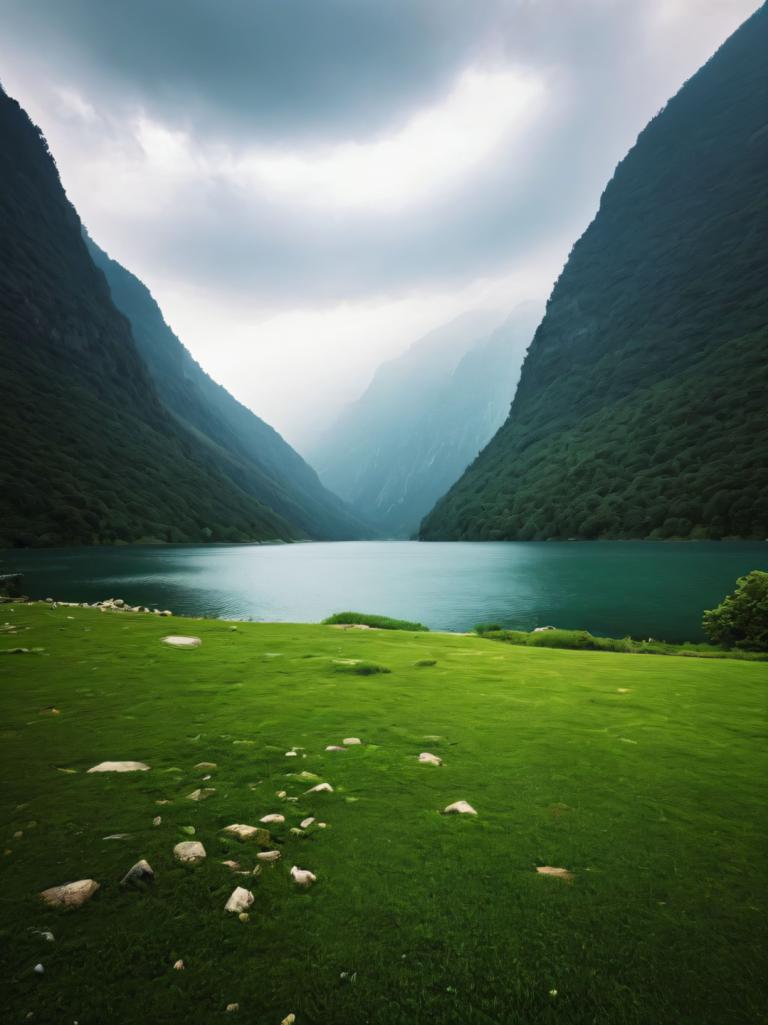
652, 798
366, 619
641, 406
357, 668
741, 618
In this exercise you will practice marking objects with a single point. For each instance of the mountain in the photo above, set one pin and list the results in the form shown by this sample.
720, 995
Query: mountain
251, 452
89, 453
423, 418
641, 405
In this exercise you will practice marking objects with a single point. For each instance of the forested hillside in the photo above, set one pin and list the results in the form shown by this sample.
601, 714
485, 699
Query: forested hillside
88, 451
250, 451
424, 417
641, 406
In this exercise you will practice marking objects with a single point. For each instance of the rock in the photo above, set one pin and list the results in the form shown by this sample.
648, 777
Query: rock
239, 900
233, 865
157, 820
233, 1008
46, 934
306, 823
244, 916
303, 877
178, 966
18, 834
243, 832
321, 788
120, 767
277, 819
425, 758
291, 754
163, 801
116, 836
289, 1019
559, 873
543, 629
201, 795
206, 765
70, 895
282, 794
335, 747
459, 808
269, 856
39, 969
139, 875
190, 852
178, 641
322, 825
296, 832
308, 776
351, 741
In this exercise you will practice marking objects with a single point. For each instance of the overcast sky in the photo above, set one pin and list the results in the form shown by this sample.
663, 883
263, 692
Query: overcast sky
306, 186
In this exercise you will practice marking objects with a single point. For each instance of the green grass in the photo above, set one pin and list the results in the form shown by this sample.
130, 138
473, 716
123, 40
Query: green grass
368, 619
582, 640
652, 798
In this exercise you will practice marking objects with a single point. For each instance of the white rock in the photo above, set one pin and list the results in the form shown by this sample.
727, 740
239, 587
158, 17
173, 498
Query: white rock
190, 852
240, 899
177, 640
234, 1008
201, 795
70, 895
459, 808
244, 832
291, 754
268, 856
233, 865
157, 820
39, 969
289, 1019
428, 759
179, 965
302, 876
335, 747
306, 823
351, 741
120, 767
282, 794
321, 788
277, 819
206, 765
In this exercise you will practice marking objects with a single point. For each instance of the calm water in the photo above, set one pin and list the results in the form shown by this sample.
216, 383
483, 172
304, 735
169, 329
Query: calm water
612, 588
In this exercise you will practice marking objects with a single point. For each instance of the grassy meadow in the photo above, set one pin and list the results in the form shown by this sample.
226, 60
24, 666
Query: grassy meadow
643, 777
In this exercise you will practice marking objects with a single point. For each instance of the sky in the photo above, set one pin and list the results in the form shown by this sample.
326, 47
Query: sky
308, 186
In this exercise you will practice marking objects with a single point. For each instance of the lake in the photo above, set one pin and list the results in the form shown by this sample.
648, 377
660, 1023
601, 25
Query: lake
614, 588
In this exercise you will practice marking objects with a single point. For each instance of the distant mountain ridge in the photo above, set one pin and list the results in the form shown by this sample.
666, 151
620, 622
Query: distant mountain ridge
641, 405
424, 417
89, 451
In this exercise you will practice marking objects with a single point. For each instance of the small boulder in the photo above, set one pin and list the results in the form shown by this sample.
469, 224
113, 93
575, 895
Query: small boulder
306, 823
291, 754
425, 758
190, 852
303, 877
240, 900
321, 788
139, 875
70, 895
178, 966
351, 741
201, 794
276, 819
206, 765
157, 820
268, 856
559, 873
243, 832
120, 767
234, 1008
178, 641
459, 808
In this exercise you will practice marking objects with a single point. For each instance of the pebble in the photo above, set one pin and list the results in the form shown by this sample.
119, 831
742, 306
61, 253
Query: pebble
559, 873
201, 794
351, 741
306, 823
335, 747
119, 767
459, 808
282, 794
277, 819
289, 1019
39, 969
429, 759
157, 820
239, 900
234, 866
244, 916
190, 852
268, 856
302, 876
70, 895
321, 788
291, 754
178, 966
243, 832
233, 1008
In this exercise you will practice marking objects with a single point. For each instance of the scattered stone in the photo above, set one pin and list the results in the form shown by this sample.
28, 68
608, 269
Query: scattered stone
232, 1008
233, 865
321, 788
269, 856
309, 776
201, 795
70, 895
291, 754
178, 641
39, 969
559, 873
289, 1019
163, 801
277, 819
178, 966
351, 741
322, 825
335, 747
306, 823
206, 765
303, 877
459, 808
46, 934
116, 836
239, 900
244, 916
139, 875
425, 758
119, 767
190, 852
243, 832
282, 794
294, 831
157, 820
18, 834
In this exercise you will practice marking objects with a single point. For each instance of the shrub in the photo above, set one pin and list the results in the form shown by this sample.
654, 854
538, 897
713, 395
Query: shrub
365, 619
741, 618
362, 668
484, 628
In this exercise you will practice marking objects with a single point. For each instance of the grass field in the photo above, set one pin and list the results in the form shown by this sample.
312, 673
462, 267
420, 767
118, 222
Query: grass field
644, 777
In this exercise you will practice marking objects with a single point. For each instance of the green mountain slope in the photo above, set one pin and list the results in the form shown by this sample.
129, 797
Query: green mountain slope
251, 452
424, 417
641, 405
88, 453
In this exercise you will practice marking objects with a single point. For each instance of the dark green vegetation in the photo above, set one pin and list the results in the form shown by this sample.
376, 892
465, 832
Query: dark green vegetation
89, 452
652, 798
369, 619
641, 405
741, 619
582, 640
424, 417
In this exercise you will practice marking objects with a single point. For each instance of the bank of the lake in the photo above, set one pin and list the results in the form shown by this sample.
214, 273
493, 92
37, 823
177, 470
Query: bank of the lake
642, 589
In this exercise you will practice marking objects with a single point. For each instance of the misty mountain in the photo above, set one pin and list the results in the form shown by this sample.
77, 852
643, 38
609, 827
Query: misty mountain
641, 405
89, 451
424, 417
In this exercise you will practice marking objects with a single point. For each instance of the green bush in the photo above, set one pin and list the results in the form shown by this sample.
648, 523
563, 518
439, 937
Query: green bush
741, 618
484, 628
362, 668
379, 622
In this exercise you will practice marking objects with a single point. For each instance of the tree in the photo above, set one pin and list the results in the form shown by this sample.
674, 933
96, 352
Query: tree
741, 618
